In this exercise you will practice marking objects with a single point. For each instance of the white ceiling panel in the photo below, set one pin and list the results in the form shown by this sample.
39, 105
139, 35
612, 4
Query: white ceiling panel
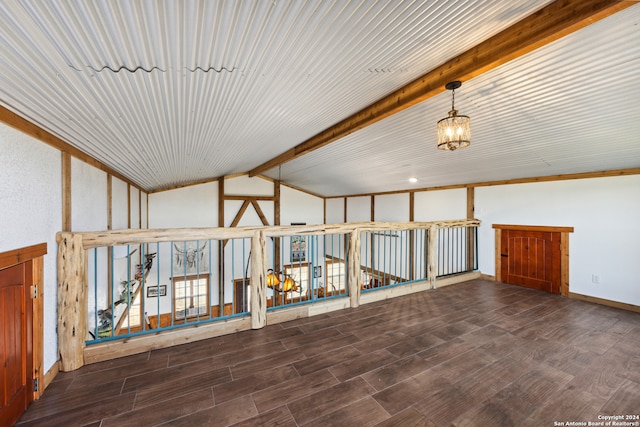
169, 93
569, 107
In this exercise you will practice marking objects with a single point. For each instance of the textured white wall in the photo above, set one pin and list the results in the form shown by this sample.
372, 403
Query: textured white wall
193, 206
604, 212
359, 209
296, 206
392, 207
335, 211
440, 205
89, 213
144, 210
31, 213
135, 207
119, 204
248, 186
88, 197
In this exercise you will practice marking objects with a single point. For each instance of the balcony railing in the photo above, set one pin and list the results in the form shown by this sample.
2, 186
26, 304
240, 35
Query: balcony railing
128, 290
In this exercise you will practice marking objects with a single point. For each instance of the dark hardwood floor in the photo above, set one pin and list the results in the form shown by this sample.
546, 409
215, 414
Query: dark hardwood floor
478, 353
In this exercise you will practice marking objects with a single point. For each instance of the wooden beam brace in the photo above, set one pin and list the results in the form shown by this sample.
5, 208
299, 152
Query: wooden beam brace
550, 23
66, 191
250, 198
237, 218
261, 214
241, 212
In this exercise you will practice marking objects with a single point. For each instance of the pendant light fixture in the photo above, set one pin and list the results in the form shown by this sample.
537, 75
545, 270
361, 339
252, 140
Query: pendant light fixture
454, 131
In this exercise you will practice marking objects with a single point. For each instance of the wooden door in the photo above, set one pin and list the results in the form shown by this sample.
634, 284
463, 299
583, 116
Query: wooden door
531, 259
16, 341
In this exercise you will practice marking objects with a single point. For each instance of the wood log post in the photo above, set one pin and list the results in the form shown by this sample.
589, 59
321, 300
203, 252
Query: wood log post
498, 245
564, 264
432, 256
353, 278
72, 301
258, 281
470, 231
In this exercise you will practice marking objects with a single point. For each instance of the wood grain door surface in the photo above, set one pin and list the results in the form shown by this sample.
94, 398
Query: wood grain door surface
16, 342
531, 259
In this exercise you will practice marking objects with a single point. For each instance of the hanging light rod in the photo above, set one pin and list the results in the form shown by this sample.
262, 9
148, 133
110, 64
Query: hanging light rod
454, 131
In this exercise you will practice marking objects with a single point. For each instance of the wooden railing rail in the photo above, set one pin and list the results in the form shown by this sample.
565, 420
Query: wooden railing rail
73, 283
92, 240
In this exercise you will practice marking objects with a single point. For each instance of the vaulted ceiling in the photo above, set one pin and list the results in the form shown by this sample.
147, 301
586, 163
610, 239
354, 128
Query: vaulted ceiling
168, 93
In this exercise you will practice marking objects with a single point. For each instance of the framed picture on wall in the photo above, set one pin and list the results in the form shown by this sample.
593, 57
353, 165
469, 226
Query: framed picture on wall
156, 291
191, 257
298, 246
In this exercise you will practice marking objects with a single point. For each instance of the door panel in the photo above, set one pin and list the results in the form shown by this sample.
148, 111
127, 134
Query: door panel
16, 358
531, 259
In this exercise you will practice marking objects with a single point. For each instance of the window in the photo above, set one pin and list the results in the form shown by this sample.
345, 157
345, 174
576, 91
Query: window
130, 321
335, 277
190, 296
135, 310
300, 274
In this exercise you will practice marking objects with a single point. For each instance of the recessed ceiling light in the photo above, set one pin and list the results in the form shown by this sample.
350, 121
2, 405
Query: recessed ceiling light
413, 180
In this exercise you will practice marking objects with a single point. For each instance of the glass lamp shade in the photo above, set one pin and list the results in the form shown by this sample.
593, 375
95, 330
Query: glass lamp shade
454, 131
272, 279
289, 285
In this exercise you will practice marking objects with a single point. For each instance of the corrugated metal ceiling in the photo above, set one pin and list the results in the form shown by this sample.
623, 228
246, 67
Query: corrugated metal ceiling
173, 92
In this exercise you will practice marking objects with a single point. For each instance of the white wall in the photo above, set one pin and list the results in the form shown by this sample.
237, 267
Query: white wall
243, 185
89, 211
440, 205
144, 210
335, 211
88, 197
392, 207
135, 208
296, 206
119, 204
193, 206
604, 213
31, 213
359, 209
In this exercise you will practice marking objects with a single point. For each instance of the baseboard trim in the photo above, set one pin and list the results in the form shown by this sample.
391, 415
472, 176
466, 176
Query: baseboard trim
488, 277
457, 278
602, 301
49, 376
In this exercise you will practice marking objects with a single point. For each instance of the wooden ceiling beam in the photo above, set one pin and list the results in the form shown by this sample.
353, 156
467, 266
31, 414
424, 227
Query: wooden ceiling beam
550, 23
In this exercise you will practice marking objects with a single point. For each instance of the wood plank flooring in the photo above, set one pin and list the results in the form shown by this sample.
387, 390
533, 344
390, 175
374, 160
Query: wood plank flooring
479, 353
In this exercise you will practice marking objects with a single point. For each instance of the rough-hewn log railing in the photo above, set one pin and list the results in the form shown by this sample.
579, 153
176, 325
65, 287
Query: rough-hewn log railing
73, 282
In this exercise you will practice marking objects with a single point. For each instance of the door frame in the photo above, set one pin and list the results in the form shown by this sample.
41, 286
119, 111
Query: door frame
35, 254
564, 249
